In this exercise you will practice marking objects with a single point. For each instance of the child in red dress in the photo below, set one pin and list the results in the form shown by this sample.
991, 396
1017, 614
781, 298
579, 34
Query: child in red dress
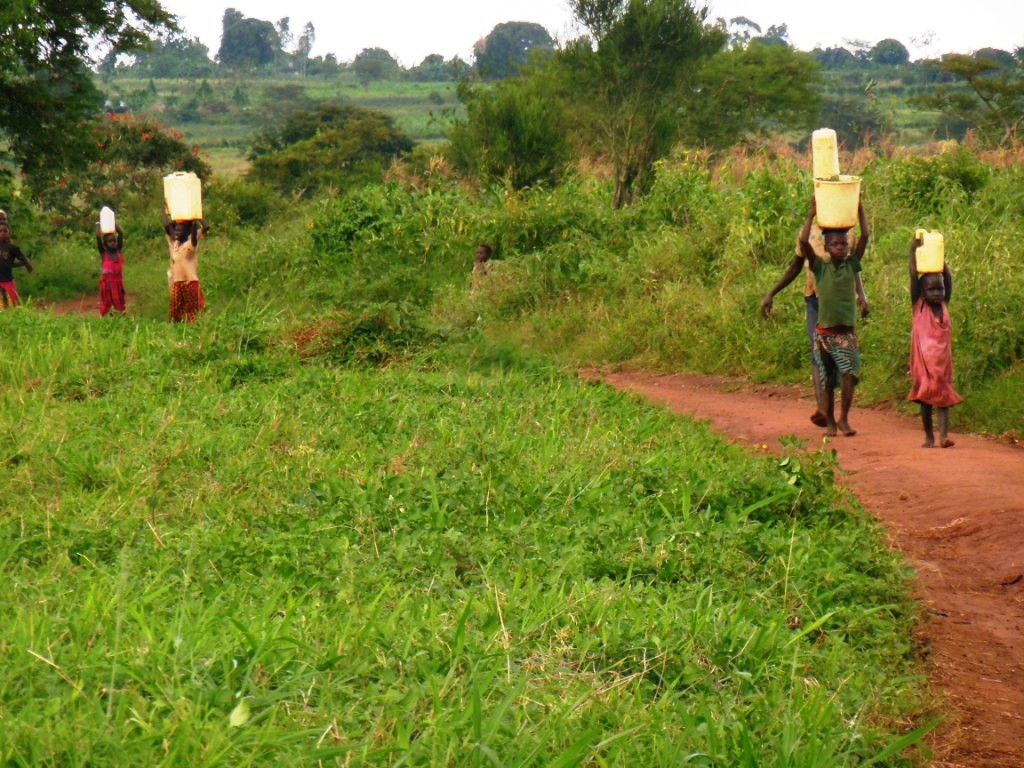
931, 348
110, 246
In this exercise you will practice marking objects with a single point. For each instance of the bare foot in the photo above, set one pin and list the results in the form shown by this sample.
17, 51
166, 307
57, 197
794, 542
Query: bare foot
947, 443
831, 431
846, 429
930, 443
818, 419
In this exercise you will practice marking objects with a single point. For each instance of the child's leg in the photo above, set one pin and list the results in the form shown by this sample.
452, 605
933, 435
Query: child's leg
944, 428
926, 422
849, 383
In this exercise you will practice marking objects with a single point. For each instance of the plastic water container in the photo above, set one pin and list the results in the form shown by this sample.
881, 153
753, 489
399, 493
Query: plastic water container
825, 153
183, 194
931, 254
837, 202
108, 225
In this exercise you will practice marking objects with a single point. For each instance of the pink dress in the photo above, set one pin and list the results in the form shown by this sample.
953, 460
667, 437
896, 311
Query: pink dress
931, 358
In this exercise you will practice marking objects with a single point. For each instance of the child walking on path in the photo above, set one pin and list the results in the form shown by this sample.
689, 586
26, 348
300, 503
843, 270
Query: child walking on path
110, 246
10, 257
931, 348
799, 263
187, 298
836, 348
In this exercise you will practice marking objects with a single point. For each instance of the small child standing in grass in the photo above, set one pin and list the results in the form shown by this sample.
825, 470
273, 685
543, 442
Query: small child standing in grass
187, 298
931, 348
836, 348
110, 246
10, 257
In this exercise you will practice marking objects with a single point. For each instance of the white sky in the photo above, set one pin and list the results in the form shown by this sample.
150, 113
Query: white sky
412, 29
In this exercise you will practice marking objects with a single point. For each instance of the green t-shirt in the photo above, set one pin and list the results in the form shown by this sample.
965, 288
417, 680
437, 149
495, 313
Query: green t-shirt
837, 292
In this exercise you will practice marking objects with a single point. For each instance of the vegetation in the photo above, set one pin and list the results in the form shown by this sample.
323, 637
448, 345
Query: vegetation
364, 514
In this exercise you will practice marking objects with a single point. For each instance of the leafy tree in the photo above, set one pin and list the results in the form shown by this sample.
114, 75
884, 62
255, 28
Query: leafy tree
834, 58
374, 64
173, 55
1005, 58
247, 43
983, 93
777, 34
513, 133
628, 80
889, 53
47, 90
754, 91
125, 158
334, 146
508, 48
740, 30
305, 45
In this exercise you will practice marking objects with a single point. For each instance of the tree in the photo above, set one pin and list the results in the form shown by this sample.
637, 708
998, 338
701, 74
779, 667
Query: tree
752, 92
173, 55
335, 146
982, 93
627, 81
508, 48
890, 53
123, 161
512, 133
247, 43
305, 45
47, 90
374, 64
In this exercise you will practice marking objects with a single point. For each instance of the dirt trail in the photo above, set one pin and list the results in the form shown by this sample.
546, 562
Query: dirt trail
957, 514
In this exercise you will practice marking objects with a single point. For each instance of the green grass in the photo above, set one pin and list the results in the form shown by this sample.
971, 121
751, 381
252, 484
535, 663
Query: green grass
222, 547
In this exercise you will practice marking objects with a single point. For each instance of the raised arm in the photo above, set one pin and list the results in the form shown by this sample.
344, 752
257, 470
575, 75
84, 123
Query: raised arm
120, 237
947, 279
865, 234
805, 235
915, 281
788, 277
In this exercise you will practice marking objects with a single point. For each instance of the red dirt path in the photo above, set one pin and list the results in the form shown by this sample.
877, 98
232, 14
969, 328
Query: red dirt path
957, 514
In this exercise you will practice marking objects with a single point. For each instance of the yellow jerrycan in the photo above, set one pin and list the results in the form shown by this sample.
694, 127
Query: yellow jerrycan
183, 194
931, 254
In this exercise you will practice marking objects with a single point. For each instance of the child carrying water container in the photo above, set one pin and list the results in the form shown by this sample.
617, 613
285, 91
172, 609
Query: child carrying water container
187, 298
111, 245
10, 257
931, 347
836, 348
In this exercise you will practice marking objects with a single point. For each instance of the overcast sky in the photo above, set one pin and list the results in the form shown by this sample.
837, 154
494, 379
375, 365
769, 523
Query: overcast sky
412, 29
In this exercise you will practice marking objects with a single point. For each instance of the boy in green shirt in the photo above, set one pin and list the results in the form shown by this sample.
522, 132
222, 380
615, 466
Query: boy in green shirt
835, 340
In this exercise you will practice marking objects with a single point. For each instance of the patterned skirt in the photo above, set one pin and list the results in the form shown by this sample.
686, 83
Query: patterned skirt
837, 354
187, 301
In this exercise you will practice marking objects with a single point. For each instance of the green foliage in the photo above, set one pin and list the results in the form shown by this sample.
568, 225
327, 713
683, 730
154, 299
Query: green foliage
626, 86
457, 563
44, 48
372, 64
513, 134
246, 42
937, 184
985, 92
334, 146
756, 91
172, 55
120, 165
508, 47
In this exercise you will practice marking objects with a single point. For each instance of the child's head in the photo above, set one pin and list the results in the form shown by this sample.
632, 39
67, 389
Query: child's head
483, 253
837, 244
5, 232
933, 288
110, 241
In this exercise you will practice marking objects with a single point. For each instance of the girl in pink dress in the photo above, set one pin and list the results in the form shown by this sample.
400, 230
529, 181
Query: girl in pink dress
112, 270
931, 348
